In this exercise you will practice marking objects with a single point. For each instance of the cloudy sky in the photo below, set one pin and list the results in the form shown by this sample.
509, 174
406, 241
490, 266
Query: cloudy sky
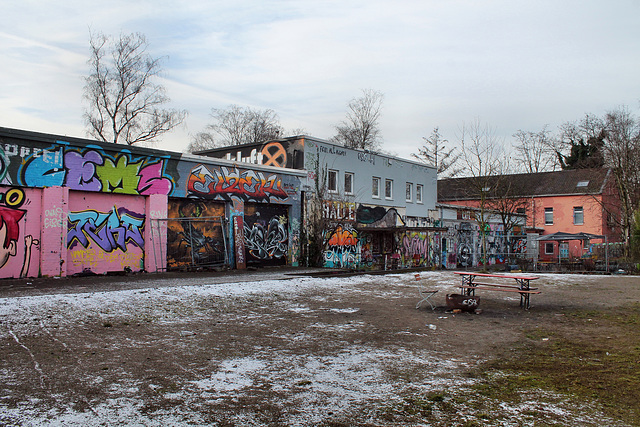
510, 64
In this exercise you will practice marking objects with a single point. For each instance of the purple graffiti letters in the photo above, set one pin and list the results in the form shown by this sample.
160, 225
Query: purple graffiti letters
110, 231
81, 170
415, 245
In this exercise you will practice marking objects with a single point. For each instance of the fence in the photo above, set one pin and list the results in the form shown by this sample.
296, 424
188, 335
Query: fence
191, 243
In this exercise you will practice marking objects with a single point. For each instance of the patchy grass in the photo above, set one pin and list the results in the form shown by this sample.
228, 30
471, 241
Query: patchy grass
588, 364
592, 356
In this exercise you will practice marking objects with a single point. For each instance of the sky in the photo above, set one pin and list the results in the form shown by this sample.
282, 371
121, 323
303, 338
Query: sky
510, 65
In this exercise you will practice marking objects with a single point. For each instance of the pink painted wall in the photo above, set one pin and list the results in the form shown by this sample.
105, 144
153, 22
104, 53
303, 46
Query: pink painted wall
563, 207
55, 202
20, 211
106, 232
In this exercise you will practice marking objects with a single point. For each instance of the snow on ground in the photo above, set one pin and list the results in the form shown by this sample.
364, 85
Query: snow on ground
327, 384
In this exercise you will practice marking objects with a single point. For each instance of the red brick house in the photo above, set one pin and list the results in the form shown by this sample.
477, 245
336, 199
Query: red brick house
571, 201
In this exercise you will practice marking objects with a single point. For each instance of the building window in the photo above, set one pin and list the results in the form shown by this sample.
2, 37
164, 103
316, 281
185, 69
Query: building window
332, 184
388, 189
409, 190
548, 216
548, 248
375, 187
578, 215
348, 183
419, 193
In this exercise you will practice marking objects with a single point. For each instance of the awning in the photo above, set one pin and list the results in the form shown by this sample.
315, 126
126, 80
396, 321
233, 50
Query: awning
562, 236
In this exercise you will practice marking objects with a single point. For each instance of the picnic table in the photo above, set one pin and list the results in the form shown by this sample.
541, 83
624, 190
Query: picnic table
470, 284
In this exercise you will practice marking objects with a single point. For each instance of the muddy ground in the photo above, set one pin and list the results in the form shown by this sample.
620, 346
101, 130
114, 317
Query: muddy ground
272, 348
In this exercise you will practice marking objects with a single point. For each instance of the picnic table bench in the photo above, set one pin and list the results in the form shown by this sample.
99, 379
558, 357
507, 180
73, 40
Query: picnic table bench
470, 285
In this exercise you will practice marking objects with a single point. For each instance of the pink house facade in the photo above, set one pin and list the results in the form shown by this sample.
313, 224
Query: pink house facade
570, 201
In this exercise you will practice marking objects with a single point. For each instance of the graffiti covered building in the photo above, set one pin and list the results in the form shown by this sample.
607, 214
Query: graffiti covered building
461, 239
378, 211
77, 206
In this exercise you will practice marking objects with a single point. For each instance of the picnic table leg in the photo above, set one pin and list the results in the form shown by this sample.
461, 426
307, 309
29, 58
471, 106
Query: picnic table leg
524, 297
468, 281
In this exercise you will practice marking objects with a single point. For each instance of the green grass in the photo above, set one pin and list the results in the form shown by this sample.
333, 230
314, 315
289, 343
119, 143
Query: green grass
593, 355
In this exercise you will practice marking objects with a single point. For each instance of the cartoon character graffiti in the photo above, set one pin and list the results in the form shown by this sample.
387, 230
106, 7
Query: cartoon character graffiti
9, 234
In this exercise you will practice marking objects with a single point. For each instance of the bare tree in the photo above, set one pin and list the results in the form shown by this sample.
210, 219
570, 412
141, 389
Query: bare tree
200, 142
622, 152
125, 104
535, 150
482, 154
316, 222
360, 129
435, 152
236, 125
507, 203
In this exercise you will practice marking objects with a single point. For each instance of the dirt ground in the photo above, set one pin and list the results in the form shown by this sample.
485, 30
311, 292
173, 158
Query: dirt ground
274, 348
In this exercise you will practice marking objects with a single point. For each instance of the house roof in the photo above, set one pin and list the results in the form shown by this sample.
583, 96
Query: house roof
559, 183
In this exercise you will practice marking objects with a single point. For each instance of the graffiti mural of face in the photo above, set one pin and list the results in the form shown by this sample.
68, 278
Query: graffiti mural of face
6, 252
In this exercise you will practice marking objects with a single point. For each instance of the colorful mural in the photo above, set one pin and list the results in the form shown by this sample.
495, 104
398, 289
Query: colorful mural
222, 183
106, 200
195, 235
342, 247
462, 245
112, 230
103, 235
92, 169
415, 249
19, 249
266, 235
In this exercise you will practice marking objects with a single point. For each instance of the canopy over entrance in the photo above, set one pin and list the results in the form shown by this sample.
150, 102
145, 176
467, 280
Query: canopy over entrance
561, 236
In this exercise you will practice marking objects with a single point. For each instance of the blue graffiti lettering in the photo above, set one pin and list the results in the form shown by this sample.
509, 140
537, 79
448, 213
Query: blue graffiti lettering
110, 231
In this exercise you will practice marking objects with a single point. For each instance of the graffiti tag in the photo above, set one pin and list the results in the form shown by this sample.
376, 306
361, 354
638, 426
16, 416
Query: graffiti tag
267, 242
109, 230
342, 247
93, 170
224, 183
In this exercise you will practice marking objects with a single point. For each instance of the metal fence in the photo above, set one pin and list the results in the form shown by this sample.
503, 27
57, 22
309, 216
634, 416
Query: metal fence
191, 243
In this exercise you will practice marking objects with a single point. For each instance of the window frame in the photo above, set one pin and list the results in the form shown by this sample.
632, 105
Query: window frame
390, 182
419, 191
548, 211
375, 185
577, 209
350, 190
408, 192
547, 246
329, 173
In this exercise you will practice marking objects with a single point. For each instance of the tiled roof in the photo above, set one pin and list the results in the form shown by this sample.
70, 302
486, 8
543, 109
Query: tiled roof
566, 182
